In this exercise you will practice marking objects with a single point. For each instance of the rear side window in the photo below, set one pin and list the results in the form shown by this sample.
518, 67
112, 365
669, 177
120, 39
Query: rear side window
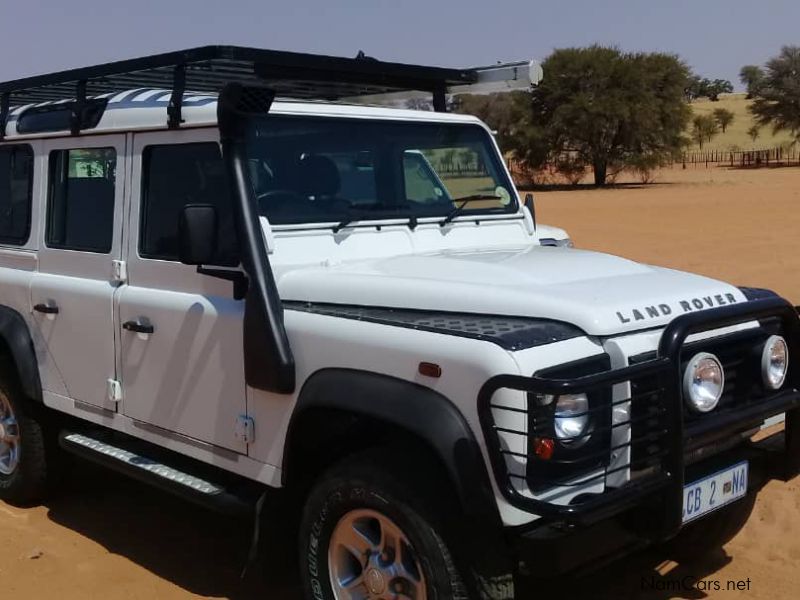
80, 208
16, 183
176, 175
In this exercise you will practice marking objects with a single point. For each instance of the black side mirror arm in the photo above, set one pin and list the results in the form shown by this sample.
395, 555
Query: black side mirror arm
239, 279
531, 207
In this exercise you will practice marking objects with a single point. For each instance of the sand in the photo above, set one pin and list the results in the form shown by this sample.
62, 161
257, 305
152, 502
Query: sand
108, 538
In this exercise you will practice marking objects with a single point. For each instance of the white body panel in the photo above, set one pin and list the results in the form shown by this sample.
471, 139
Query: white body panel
183, 386
187, 376
80, 284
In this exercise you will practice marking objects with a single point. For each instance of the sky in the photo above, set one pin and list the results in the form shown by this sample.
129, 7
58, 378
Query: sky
714, 37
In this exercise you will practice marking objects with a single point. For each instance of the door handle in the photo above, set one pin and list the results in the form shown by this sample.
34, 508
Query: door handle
47, 309
138, 327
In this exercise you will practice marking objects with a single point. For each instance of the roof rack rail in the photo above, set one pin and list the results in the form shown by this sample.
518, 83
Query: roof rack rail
210, 68
502, 77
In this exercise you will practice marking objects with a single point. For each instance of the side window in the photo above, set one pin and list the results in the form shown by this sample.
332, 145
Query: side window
16, 183
80, 207
176, 175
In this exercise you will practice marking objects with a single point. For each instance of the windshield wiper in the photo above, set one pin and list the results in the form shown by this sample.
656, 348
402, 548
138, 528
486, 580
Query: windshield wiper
357, 215
464, 200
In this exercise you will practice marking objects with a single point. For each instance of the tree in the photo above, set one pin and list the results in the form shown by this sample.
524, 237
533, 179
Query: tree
510, 115
717, 87
698, 87
704, 128
752, 78
723, 117
776, 99
754, 132
606, 108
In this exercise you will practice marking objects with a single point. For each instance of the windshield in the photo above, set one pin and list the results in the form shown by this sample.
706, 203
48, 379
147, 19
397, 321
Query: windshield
335, 170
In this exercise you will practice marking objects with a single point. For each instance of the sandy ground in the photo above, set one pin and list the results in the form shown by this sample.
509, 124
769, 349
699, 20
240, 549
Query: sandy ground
108, 538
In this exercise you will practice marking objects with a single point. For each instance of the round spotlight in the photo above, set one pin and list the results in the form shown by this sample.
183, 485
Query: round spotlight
774, 362
703, 382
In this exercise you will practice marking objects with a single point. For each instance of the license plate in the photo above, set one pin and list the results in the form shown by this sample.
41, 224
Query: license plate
714, 491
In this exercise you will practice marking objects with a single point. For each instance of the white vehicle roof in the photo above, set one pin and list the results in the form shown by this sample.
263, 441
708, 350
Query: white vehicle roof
143, 109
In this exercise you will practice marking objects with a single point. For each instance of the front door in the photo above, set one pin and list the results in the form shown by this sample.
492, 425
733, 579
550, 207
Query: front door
72, 292
180, 332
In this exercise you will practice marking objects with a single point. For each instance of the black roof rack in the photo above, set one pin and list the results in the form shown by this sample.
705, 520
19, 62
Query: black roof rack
209, 68
288, 74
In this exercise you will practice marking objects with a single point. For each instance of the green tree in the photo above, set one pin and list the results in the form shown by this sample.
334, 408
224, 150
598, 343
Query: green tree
717, 87
698, 87
704, 128
777, 100
754, 132
607, 108
752, 78
723, 117
510, 116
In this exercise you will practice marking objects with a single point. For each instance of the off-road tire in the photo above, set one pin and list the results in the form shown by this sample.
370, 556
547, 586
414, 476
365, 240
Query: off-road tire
28, 483
370, 483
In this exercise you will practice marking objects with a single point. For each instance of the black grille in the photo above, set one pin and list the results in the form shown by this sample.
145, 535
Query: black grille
740, 355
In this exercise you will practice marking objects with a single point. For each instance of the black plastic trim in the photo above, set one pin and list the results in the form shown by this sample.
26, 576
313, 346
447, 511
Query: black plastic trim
752, 293
268, 360
14, 331
523, 332
439, 424
415, 408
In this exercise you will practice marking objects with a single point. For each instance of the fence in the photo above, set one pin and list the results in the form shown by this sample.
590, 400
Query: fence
763, 157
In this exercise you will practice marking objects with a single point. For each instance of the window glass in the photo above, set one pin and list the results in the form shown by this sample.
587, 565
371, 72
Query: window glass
422, 184
16, 182
176, 175
312, 169
80, 214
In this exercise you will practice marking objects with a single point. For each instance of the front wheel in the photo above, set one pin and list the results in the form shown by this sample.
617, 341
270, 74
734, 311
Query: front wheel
362, 537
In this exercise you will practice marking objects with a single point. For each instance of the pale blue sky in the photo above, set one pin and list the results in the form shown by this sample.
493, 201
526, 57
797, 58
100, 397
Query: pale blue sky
715, 37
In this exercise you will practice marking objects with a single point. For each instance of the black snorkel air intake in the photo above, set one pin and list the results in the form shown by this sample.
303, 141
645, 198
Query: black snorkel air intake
268, 360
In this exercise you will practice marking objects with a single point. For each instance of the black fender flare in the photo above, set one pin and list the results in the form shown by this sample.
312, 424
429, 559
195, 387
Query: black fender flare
17, 337
435, 420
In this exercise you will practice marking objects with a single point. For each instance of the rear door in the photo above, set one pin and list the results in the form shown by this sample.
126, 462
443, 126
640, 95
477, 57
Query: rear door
187, 374
72, 292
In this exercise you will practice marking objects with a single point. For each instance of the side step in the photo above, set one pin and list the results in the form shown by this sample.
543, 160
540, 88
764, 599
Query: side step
132, 461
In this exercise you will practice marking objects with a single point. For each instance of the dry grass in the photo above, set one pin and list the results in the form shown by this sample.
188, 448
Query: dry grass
735, 136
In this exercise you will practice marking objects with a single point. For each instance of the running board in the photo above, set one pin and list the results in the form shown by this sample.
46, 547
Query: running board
132, 462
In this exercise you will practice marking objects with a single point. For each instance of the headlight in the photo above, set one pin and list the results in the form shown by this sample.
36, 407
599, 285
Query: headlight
703, 382
566, 243
774, 362
572, 419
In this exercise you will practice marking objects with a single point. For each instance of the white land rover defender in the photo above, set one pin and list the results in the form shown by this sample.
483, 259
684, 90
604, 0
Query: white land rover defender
240, 299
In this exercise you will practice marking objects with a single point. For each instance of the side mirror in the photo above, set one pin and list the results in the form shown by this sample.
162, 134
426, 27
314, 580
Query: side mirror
530, 206
197, 234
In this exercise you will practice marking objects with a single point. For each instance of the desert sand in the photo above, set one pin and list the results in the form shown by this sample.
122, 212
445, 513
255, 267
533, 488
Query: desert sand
107, 538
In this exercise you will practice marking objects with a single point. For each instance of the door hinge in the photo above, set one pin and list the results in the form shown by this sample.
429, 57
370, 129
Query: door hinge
245, 429
119, 271
114, 390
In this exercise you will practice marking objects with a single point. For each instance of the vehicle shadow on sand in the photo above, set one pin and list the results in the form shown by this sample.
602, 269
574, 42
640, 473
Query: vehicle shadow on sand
204, 553
648, 575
